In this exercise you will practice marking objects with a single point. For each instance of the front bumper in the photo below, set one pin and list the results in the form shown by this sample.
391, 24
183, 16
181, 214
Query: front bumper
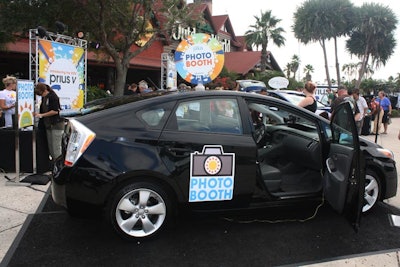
391, 180
387, 173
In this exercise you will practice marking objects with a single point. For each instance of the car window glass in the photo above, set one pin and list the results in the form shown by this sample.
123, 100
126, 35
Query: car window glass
155, 117
341, 133
209, 115
273, 118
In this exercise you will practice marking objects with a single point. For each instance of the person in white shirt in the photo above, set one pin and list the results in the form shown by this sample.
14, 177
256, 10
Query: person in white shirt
362, 107
8, 98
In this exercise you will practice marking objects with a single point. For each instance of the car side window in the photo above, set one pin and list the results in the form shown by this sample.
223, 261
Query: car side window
209, 115
278, 118
156, 116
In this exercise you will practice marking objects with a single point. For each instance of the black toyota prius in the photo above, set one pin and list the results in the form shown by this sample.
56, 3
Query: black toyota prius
144, 159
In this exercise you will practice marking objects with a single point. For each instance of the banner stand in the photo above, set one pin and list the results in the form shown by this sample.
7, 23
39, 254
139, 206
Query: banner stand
17, 180
16, 125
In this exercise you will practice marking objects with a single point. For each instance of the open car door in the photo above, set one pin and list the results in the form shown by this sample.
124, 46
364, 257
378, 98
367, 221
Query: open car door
345, 176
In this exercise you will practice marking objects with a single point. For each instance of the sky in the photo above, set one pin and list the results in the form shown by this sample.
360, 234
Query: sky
241, 15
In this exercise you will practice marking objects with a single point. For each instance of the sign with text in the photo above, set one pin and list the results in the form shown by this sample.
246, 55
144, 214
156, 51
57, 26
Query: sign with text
199, 58
278, 82
211, 175
62, 67
26, 102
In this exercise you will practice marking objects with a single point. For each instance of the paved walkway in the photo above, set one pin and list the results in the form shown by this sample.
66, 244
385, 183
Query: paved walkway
18, 201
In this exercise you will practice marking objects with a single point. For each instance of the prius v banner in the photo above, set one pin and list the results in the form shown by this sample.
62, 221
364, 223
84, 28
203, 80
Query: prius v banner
62, 66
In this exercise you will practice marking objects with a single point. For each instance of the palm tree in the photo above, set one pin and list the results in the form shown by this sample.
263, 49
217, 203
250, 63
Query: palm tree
374, 36
295, 63
288, 70
369, 71
315, 22
397, 80
264, 30
308, 69
350, 69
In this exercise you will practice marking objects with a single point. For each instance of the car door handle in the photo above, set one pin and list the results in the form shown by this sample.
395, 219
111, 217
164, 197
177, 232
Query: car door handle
330, 165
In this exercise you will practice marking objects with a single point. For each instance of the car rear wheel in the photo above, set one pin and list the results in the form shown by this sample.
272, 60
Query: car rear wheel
372, 192
139, 210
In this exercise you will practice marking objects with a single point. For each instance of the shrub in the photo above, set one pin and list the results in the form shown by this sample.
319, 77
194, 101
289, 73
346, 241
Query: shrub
395, 113
93, 93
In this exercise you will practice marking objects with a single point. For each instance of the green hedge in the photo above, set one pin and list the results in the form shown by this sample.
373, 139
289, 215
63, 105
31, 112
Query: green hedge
395, 113
93, 93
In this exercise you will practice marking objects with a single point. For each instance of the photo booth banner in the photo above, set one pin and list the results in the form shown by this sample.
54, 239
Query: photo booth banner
199, 58
26, 103
62, 66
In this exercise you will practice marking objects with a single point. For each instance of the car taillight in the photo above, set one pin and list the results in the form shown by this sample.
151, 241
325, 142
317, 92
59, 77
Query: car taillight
80, 139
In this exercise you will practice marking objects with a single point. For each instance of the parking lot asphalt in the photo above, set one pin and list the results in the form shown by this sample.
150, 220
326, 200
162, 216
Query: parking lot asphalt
39, 235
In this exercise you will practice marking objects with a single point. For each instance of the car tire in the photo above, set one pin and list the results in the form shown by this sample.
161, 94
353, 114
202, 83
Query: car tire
139, 210
372, 192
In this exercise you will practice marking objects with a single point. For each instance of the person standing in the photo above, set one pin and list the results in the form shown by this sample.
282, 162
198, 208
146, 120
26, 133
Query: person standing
385, 104
343, 95
331, 96
8, 98
362, 107
377, 114
49, 118
309, 102
132, 89
144, 88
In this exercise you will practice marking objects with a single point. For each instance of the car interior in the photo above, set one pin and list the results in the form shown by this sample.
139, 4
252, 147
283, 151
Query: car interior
289, 151
210, 115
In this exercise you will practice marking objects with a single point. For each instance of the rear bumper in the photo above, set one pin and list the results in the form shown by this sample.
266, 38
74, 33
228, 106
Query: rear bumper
58, 194
58, 191
83, 184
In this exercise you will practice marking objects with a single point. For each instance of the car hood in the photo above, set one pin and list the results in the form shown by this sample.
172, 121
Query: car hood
371, 148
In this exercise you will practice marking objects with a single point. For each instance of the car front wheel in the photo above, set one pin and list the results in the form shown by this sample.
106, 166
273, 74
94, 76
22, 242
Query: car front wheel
139, 210
372, 190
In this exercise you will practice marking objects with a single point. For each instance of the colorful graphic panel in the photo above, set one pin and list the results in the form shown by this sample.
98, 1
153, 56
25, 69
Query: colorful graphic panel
62, 66
199, 58
26, 102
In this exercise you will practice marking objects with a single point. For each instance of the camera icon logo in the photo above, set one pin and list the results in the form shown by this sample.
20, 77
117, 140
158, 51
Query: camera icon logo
212, 161
211, 175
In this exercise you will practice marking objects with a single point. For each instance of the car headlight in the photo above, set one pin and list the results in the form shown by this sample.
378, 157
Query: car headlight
80, 139
386, 153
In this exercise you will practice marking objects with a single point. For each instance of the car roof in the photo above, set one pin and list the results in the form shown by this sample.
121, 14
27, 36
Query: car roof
162, 97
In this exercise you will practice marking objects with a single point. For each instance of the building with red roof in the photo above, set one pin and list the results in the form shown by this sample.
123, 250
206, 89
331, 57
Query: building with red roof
147, 65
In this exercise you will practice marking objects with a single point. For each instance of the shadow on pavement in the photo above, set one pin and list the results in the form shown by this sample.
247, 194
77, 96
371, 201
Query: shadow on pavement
52, 238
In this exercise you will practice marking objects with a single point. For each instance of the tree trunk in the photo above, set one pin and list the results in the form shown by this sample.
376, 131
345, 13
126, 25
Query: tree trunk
363, 66
263, 58
337, 63
120, 81
328, 78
